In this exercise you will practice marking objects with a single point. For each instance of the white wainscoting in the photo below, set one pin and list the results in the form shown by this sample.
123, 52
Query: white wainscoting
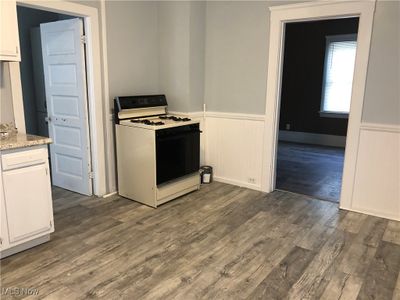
234, 145
376, 189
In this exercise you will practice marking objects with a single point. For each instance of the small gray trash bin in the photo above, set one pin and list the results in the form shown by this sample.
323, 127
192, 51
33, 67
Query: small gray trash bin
206, 174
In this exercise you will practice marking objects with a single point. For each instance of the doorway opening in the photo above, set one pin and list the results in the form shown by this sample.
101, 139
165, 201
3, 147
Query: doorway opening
316, 86
314, 11
53, 80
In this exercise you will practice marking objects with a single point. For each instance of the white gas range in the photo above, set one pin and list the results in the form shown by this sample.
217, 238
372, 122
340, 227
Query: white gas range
158, 155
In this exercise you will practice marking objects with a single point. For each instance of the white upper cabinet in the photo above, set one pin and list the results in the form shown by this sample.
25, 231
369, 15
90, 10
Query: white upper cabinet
9, 38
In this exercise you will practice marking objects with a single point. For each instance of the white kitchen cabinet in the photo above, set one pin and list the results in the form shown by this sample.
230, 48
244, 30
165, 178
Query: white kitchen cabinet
9, 37
26, 202
4, 244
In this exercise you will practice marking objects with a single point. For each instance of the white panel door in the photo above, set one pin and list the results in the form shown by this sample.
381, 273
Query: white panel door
66, 98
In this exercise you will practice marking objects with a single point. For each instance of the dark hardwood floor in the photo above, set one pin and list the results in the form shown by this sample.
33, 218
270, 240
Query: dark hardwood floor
310, 170
221, 242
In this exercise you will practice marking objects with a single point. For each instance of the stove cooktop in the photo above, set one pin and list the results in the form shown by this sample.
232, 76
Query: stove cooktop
158, 122
153, 120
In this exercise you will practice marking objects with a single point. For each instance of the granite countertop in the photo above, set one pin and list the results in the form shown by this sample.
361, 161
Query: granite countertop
21, 140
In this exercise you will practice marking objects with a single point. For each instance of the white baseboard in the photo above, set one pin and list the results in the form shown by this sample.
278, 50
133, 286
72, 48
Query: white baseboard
312, 138
24, 246
238, 183
110, 194
371, 212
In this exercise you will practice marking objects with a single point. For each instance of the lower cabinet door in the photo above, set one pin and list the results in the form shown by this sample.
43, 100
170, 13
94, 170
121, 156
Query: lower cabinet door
3, 218
28, 204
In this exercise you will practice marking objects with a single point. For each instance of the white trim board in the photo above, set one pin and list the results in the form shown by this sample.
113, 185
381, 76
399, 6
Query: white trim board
307, 12
111, 176
221, 115
194, 114
380, 214
16, 94
251, 186
380, 127
312, 138
94, 82
238, 116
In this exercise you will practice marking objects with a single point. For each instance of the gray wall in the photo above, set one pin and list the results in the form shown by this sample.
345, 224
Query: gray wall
181, 28
237, 52
174, 35
157, 47
132, 47
197, 54
382, 97
236, 56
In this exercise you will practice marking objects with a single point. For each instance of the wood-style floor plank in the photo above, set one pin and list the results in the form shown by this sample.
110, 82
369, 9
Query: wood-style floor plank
381, 278
342, 286
392, 232
277, 284
221, 242
396, 293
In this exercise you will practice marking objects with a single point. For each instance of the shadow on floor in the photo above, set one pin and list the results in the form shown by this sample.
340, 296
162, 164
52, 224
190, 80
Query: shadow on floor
310, 170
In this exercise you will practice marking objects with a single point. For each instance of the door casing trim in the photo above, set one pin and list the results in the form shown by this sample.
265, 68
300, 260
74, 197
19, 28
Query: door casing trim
319, 10
94, 81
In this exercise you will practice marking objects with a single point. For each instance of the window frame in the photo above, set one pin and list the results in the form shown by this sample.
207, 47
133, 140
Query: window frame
331, 39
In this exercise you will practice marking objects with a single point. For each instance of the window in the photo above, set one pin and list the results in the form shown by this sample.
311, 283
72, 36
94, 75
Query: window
338, 75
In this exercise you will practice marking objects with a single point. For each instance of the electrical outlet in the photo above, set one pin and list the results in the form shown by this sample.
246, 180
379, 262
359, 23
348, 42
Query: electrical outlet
252, 180
287, 126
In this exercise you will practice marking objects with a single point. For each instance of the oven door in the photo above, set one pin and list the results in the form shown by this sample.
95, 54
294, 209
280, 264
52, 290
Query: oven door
177, 152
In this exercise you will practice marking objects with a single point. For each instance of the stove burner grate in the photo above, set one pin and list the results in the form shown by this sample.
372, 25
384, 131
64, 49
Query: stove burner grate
173, 118
147, 122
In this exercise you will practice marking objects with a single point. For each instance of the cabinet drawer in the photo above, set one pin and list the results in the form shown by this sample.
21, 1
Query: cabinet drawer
23, 158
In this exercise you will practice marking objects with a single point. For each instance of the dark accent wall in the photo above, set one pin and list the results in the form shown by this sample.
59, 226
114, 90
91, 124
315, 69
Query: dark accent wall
302, 78
27, 19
